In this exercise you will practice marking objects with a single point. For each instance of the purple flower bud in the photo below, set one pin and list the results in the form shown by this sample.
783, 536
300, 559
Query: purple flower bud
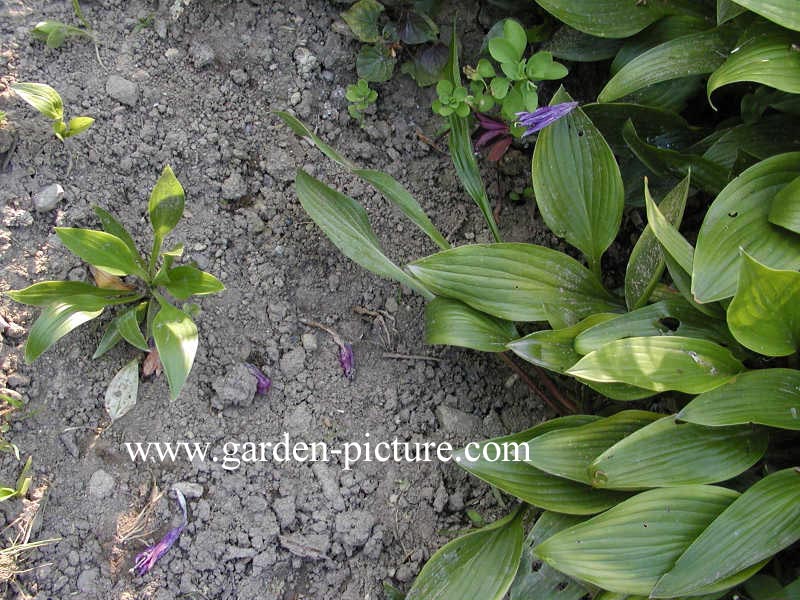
263, 382
147, 559
544, 116
347, 359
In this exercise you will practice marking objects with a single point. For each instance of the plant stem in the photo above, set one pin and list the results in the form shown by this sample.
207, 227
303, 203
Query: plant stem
558, 402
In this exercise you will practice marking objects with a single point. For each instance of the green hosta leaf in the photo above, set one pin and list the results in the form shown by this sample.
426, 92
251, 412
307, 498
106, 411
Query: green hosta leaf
568, 453
682, 364
668, 454
52, 292
536, 581
764, 520
629, 547
128, 327
528, 483
463, 155
114, 227
375, 63
453, 323
186, 281
738, 219
613, 18
765, 312
708, 175
673, 243
41, 97
554, 349
78, 125
384, 183
345, 223
772, 135
175, 335
517, 282
672, 317
577, 183
112, 336
57, 320
766, 55
785, 209
480, 564
121, 392
767, 397
693, 54
102, 250
727, 10
570, 44
166, 203
362, 17
782, 12
646, 263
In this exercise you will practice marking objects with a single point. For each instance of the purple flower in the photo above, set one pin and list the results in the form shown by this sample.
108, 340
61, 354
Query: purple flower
263, 382
544, 116
146, 559
494, 132
347, 359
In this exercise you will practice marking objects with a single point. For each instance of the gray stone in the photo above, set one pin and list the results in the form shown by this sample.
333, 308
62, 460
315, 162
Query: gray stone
354, 527
297, 420
237, 387
122, 90
305, 60
234, 187
202, 54
457, 422
239, 76
101, 484
87, 580
189, 489
310, 342
293, 362
48, 197
285, 510
329, 484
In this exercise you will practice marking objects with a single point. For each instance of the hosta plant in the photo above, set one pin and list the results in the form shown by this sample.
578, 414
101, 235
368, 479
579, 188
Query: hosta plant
48, 102
144, 300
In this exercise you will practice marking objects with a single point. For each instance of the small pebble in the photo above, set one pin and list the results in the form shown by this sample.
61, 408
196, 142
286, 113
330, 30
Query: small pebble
48, 197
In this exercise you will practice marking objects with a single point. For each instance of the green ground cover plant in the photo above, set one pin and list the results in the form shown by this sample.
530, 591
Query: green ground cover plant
48, 102
702, 495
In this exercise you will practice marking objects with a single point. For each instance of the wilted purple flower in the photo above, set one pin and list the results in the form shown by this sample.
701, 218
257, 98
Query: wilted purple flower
347, 359
494, 132
263, 382
544, 116
146, 559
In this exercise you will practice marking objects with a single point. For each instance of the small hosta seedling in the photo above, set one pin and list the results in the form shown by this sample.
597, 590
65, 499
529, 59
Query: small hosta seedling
113, 254
48, 102
360, 96
55, 33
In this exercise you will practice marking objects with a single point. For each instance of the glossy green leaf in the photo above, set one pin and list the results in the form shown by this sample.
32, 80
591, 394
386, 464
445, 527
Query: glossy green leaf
570, 44
128, 326
384, 183
345, 223
668, 454
568, 452
672, 317
767, 397
166, 203
41, 97
101, 249
673, 243
646, 263
480, 564
362, 17
51, 292
682, 364
738, 219
727, 10
57, 320
765, 55
453, 323
186, 281
375, 63
114, 227
764, 315
175, 335
785, 209
693, 54
774, 134
112, 336
577, 183
764, 520
517, 282
415, 27
537, 581
629, 547
614, 18
78, 125
463, 155
782, 12
528, 483
706, 174
554, 349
